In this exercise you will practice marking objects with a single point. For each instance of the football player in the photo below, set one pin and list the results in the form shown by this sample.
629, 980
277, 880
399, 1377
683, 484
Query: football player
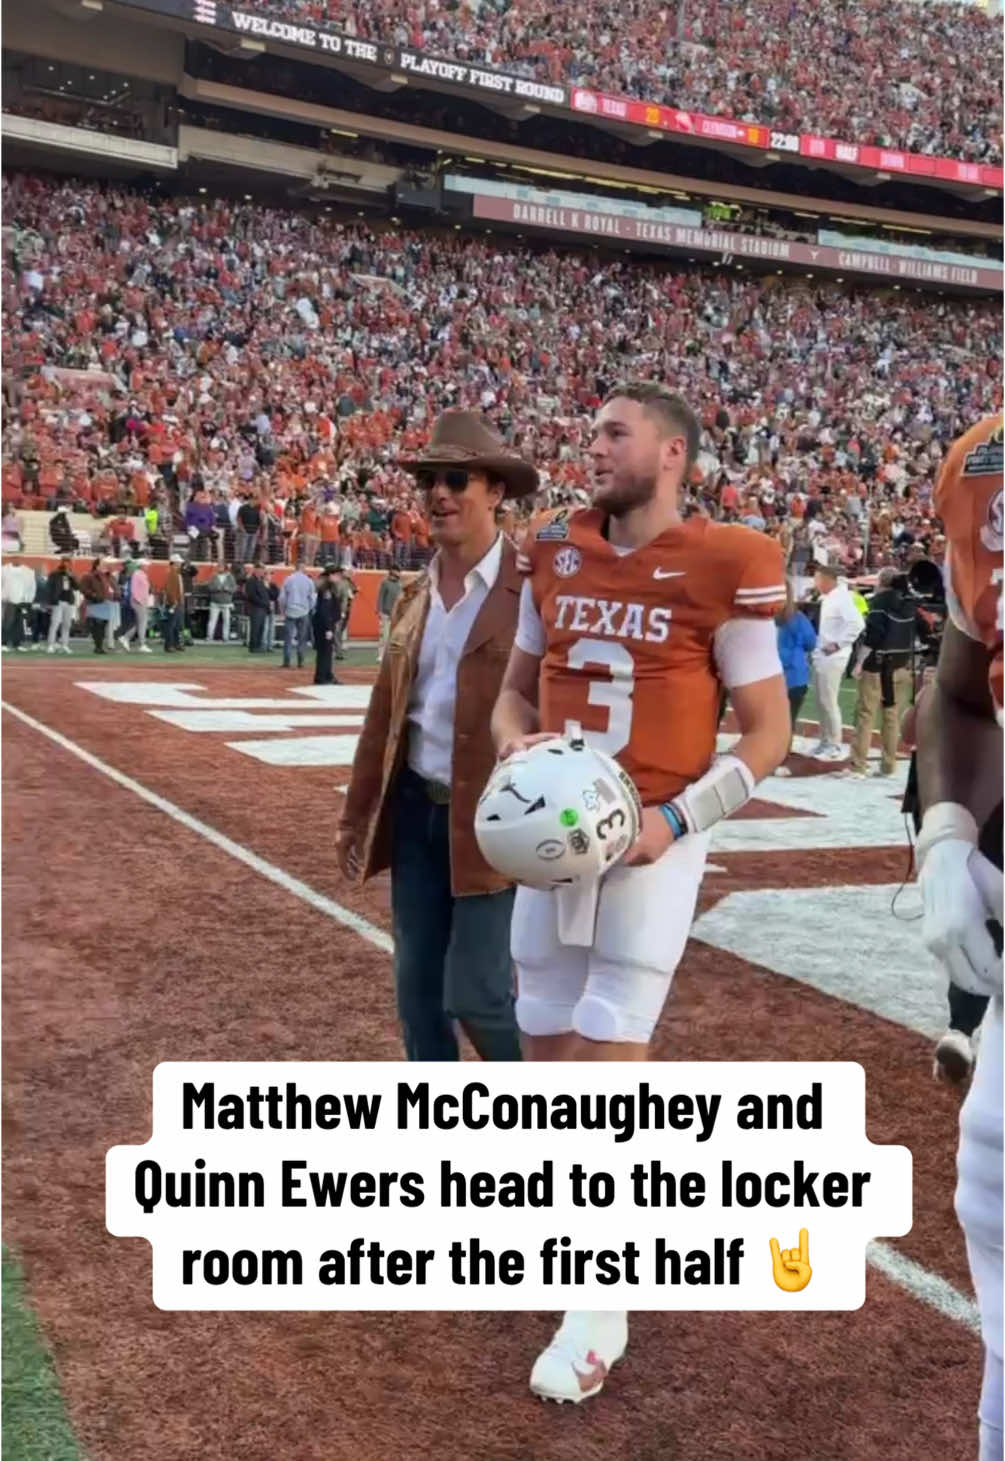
960, 784
632, 622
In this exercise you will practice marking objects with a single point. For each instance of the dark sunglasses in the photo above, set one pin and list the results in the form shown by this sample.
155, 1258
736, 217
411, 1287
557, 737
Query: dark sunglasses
455, 478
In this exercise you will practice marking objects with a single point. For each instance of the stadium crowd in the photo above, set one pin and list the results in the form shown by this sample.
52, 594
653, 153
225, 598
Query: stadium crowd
246, 377
890, 73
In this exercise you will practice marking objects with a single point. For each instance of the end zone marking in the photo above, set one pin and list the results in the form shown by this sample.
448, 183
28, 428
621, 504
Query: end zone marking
284, 880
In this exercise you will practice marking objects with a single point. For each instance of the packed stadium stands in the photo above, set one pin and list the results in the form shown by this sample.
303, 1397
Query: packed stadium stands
159, 345
924, 77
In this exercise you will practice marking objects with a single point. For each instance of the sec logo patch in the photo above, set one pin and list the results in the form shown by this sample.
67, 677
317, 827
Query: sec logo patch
567, 562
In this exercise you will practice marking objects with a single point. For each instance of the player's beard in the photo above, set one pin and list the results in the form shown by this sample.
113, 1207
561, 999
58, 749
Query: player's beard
624, 491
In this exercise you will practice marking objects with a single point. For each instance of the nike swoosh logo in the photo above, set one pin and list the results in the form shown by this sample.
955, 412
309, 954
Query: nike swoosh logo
593, 1377
667, 573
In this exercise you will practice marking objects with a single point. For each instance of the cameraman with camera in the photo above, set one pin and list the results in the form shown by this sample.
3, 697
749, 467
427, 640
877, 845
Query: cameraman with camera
883, 670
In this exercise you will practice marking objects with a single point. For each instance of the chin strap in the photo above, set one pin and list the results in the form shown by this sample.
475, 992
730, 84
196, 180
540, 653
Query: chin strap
576, 909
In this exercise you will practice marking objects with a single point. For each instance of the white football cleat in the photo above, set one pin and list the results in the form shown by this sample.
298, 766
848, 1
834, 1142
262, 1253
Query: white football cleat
954, 1058
580, 1356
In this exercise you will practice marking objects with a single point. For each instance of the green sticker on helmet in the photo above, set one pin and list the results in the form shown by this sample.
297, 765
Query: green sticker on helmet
569, 817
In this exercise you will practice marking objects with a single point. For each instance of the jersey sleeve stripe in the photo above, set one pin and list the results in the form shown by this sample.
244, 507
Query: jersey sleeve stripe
757, 595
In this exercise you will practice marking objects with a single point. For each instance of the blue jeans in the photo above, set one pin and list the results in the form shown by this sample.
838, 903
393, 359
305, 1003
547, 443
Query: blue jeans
451, 955
174, 620
296, 632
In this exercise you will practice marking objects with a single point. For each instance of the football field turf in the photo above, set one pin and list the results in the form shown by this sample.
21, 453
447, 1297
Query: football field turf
171, 894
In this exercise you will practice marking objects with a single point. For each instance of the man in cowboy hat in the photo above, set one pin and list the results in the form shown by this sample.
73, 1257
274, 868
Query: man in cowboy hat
425, 753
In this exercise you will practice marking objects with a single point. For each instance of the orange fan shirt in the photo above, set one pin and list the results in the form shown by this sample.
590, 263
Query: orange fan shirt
630, 636
968, 498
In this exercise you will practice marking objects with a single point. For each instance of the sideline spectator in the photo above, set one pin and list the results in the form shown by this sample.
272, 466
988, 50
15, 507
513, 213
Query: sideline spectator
18, 595
296, 604
883, 671
796, 642
324, 620
139, 601
839, 626
222, 588
387, 597
256, 597
61, 594
174, 607
99, 594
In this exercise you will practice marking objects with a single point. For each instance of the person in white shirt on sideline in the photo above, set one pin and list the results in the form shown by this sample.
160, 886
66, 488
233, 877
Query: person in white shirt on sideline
841, 623
425, 754
18, 594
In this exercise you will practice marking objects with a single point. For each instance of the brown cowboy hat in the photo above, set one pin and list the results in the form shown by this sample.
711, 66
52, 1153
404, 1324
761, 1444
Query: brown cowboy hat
465, 439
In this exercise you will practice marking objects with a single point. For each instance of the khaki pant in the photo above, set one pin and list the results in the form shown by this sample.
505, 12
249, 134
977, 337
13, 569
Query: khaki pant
870, 697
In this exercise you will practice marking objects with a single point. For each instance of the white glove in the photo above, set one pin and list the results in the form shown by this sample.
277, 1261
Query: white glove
961, 891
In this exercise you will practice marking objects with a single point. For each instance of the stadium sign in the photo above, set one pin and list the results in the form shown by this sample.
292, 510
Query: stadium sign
415, 63
306, 35
621, 226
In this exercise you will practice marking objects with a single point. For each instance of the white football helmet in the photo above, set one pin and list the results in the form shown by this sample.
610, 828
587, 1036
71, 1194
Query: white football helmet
558, 814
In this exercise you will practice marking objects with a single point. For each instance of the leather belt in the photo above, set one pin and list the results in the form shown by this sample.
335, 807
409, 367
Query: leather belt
436, 792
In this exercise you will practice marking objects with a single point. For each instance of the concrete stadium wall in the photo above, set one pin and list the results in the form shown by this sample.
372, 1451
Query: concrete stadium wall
91, 38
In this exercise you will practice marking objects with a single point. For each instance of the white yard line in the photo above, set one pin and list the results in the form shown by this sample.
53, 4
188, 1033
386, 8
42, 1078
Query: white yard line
284, 880
919, 1282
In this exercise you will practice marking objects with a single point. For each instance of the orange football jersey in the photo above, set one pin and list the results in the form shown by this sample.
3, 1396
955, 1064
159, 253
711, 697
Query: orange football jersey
968, 498
630, 636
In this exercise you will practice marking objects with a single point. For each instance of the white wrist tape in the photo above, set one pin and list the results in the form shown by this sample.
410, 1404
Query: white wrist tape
941, 822
725, 787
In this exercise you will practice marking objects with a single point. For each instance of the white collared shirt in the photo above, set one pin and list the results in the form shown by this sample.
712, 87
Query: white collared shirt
840, 620
431, 704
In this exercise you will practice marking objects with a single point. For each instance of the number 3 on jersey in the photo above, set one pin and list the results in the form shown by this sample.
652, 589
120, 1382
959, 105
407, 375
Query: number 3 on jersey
615, 693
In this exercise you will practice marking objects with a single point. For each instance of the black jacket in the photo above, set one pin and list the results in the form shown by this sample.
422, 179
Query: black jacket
327, 614
889, 631
55, 593
256, 592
